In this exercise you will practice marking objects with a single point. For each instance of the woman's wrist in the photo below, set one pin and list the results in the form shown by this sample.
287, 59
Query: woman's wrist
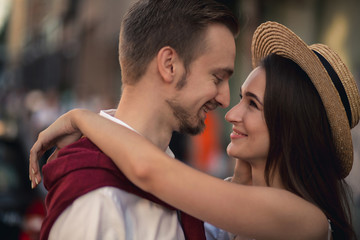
77, 116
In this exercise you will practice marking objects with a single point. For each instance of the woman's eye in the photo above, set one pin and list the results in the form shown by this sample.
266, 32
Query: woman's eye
253, 104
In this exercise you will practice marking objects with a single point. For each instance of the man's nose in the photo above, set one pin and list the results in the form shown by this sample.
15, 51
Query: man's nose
223, 96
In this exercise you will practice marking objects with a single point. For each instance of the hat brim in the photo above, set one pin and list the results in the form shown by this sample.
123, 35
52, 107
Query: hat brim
272, 37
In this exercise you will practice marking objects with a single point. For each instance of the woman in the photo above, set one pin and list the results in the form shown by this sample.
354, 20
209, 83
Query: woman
291, 138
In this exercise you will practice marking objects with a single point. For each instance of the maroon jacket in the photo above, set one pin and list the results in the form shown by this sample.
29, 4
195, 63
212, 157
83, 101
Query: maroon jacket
82, 167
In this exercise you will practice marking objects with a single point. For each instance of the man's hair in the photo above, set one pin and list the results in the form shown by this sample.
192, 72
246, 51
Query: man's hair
301, 143
152, 24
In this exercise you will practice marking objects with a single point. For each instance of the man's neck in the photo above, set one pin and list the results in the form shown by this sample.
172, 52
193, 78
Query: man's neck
145, 115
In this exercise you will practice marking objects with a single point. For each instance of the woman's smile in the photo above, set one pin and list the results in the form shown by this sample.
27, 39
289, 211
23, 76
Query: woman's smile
236, 134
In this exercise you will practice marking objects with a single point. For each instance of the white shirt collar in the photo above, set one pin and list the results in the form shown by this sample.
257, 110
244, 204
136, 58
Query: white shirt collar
110, 113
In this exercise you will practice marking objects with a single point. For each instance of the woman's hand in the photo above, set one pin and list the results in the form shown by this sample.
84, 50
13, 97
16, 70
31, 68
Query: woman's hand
61, 133
242, 173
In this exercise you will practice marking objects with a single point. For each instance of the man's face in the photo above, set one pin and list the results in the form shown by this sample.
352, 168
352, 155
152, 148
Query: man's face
207, 81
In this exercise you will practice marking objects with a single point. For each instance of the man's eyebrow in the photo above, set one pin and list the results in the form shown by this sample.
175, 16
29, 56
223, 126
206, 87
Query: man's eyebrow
250, 94
227, 71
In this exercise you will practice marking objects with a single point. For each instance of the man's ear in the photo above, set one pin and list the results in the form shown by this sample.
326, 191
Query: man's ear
167, 59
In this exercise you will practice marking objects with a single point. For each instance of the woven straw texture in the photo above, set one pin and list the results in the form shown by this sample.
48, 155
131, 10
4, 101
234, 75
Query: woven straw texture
272, 37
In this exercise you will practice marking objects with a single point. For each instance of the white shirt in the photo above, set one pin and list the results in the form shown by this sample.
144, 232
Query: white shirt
111, 213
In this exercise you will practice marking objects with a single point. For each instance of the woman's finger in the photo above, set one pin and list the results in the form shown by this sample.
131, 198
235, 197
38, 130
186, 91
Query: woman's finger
34, 170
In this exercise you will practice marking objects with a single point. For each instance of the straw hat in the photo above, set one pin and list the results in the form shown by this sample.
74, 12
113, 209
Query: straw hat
332, 79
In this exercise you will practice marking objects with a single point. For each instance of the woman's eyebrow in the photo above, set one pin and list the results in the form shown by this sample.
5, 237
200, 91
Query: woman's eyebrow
250, 94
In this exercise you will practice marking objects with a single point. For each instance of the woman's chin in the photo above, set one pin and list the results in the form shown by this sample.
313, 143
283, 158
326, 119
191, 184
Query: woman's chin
232, 151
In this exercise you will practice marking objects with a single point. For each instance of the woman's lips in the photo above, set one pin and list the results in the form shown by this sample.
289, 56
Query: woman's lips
235, 134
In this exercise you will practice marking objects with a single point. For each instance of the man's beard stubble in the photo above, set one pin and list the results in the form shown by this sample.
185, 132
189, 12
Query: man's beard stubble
186, 121
182, 115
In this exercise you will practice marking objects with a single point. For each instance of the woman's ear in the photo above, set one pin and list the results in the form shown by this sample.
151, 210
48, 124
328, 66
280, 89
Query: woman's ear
166, 61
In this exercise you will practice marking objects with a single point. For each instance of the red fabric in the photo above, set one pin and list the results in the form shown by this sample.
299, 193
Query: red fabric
36, 208
80, 168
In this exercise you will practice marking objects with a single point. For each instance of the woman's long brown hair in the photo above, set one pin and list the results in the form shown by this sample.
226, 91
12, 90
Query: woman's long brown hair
301, 144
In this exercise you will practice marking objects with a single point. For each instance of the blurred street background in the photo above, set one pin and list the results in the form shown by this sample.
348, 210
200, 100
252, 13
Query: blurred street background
56, 55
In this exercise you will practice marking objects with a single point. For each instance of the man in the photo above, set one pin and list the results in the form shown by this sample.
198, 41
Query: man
176, 59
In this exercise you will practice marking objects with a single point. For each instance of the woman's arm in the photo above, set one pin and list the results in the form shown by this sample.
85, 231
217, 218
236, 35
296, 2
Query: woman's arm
256, 212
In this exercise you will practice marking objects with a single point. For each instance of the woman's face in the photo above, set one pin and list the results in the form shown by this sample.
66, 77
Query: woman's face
250, 135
